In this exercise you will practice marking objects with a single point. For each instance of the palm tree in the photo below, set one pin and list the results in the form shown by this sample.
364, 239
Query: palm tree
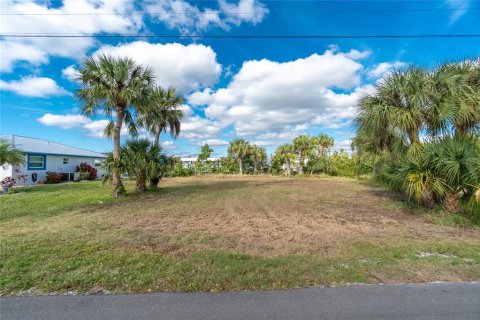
163, 113
323, 143
115, 87
287, 154
258, 155
455, 98
303, 147
404, 95
10, 155
140, 159
239, 150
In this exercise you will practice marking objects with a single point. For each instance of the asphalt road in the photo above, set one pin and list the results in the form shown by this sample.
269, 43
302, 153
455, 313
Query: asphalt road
433, 301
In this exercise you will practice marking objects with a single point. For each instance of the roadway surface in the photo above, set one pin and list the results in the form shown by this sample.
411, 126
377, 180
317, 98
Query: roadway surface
432, 301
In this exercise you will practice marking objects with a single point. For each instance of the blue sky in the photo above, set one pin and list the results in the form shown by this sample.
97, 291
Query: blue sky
264, 90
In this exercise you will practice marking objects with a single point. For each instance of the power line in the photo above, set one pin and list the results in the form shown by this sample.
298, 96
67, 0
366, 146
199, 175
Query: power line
235, 36
214, 12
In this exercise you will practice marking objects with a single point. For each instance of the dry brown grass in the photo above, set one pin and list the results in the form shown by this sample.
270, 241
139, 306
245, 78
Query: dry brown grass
271, 216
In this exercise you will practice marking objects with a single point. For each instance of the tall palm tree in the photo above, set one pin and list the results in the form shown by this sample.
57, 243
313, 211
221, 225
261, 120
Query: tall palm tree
404, 94
239, 149
455, 98
323, 143
10, 155
163, 113
115, 87
258, 154
287, 153
303, 147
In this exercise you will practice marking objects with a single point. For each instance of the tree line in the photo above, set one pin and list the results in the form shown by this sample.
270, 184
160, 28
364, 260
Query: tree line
420, 129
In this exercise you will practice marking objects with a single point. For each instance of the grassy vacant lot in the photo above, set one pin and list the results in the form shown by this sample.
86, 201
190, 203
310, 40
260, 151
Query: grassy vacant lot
225, 233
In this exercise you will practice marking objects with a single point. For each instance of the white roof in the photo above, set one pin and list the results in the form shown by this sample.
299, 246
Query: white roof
35, 145
191, 159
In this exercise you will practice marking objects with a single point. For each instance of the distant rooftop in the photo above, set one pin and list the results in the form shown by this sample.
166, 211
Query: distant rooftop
35, 145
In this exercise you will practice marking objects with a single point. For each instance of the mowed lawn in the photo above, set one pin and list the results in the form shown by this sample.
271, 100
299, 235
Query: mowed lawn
225, 233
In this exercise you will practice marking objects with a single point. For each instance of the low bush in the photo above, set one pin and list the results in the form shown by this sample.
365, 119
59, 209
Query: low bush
53, 177
87, 172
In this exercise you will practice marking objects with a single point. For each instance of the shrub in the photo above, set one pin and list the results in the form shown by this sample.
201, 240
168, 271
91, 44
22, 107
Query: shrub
13, 191
53, 177
8, 181
87, 172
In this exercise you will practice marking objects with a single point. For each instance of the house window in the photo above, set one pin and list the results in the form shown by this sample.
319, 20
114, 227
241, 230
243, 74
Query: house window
65, 160
36, 162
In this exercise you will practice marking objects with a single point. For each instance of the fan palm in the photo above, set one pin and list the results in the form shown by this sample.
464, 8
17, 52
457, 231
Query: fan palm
10, 155
303, 147
115, 87
323, 143
287, 154
258, 154
239, 149
163, 113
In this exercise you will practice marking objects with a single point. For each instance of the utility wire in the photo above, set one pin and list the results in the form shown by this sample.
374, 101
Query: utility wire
213, 12
235, 36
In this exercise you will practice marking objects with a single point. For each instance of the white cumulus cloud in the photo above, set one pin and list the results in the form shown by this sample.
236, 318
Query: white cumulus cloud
33, 86
187, 67
383, 68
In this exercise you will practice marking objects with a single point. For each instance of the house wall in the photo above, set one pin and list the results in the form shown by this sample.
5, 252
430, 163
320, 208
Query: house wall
5, 171
54, 163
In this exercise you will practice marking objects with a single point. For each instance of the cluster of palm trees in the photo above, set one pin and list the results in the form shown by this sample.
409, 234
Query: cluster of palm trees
421, 130
304, 151
126, 93
245, 153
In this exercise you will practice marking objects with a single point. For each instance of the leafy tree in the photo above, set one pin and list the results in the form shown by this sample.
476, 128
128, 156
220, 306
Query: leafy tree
115, 87
303, 147
162, 113
285, 154
9, 154
140, 159
202, 163
323, 143
258, 155
239, 150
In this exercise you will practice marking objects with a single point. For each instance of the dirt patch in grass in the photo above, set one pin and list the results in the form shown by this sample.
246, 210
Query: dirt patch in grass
272, 216
224, 233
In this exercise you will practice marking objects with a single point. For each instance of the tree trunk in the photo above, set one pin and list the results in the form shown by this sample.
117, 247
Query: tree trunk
155, 180
156, 142
255, 166
288, 169
451, 203
413, 135
141, 184
300, 165
118, 188
240, 166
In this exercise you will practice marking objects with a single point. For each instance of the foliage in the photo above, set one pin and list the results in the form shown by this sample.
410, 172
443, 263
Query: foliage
8, 182
163, 112
239, 149
140, 159
444, 105
202, 164
53, 177
87, 172
179, 171
10, 155
115, 87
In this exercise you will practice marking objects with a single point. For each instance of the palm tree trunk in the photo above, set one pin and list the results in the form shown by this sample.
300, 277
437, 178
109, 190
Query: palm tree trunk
413, 135
157, 137
255, 166
155, 180
289, 169
300, 165
141, 184
240, 166
118, 188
